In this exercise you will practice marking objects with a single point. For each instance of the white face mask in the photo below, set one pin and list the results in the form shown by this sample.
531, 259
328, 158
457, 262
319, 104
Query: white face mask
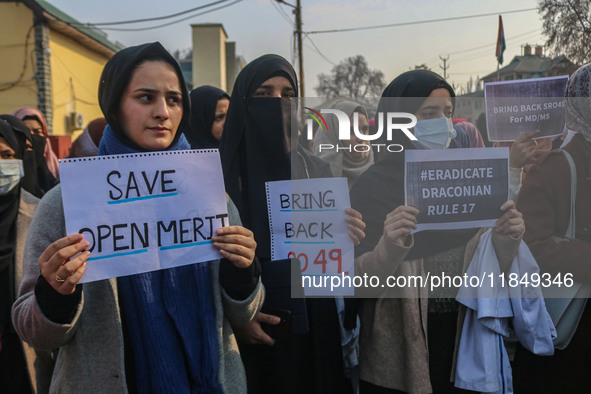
11, 172
435, 133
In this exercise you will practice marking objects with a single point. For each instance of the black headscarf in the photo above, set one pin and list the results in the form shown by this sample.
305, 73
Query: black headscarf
9, 204
37, 180
116, 76
204, 100
256, 145
380, 189
406, 93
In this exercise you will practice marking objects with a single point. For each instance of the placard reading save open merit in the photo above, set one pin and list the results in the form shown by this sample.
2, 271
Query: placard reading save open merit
457, 188
307, 222
145, 211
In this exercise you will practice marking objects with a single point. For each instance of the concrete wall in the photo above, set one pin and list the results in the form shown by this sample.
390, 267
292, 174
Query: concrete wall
231, 68
209, 55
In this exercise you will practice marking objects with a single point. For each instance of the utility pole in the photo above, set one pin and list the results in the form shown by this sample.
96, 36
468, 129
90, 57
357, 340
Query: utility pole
297, 11
445, 66
298, 33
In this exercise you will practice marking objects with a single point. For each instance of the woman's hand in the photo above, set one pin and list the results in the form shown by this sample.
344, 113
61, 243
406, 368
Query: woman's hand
399, 223
253, 333
356, 225
235, 243
59, 268
511, 223
523, 150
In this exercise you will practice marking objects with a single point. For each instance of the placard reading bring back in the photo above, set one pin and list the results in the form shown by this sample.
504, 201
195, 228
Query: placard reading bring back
145, 211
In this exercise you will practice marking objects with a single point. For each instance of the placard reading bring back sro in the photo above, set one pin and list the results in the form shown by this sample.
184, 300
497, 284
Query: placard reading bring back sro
145, 211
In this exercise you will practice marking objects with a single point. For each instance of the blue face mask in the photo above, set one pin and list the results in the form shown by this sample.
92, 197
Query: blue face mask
11, 172
435, 133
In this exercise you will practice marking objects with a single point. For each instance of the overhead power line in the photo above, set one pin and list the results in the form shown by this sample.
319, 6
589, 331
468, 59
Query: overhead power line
282, 13
158, 18
489, 45
173, 22
454, 18
317, 50
480, 51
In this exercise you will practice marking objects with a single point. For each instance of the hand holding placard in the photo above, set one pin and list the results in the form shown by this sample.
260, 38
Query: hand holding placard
235, 243
399, 223
59, 268
511, 223
523, 150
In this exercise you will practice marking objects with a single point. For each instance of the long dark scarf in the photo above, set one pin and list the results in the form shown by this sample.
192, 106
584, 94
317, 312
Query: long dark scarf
255, 146
169, 317
204, 100
37, 180
9, 204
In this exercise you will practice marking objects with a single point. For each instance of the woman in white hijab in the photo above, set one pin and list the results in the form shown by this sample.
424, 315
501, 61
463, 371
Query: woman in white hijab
353, 156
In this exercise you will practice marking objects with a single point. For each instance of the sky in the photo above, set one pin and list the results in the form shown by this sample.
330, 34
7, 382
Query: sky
265, 26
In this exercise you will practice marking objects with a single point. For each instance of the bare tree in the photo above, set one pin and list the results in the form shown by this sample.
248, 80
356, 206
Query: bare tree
469, 85
478, 84
351, 78
567, 24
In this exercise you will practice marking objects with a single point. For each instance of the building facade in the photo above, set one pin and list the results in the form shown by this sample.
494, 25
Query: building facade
52, 62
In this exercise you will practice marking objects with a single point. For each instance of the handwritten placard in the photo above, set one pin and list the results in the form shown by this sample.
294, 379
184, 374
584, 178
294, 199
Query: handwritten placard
307, 222
514, 108
146, 211
457, 188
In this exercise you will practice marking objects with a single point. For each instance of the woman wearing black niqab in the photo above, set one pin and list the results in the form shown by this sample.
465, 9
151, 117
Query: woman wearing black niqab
256, 148
13, 368
256, 145
204, 101
37, 180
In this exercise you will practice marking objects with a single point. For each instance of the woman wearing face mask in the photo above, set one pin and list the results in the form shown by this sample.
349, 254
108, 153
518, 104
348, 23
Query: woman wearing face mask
18, 207
396, 354
355, 162
138, 333
209, 106
257, 148
37, 180
36, 122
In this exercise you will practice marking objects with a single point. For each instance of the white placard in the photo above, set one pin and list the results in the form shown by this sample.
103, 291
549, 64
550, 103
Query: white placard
145, 211
456, 188
307, 221
515, 108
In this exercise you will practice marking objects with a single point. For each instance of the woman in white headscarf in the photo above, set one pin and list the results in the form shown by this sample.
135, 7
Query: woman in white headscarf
354, 155
545, 200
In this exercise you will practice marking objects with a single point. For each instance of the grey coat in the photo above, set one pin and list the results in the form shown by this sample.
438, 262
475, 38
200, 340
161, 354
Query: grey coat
91, 352
39, 364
